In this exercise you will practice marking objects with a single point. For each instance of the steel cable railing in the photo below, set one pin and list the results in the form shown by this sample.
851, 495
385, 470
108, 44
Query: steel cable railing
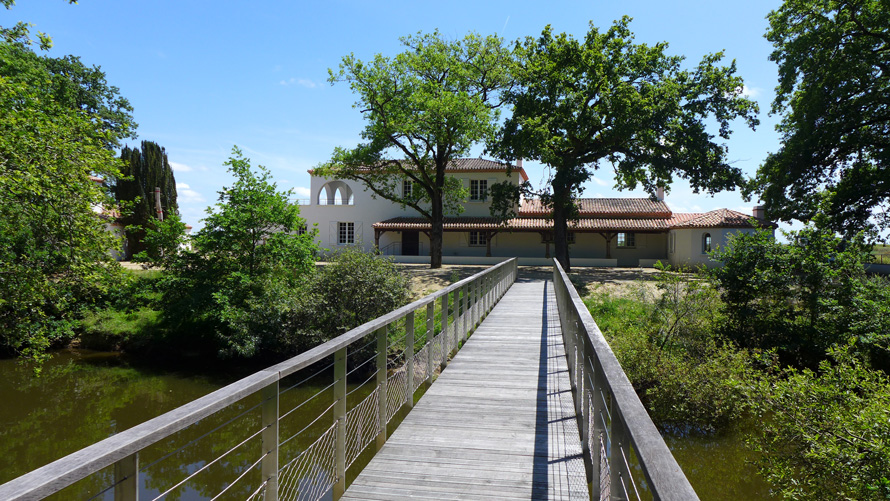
325, 435
617, 435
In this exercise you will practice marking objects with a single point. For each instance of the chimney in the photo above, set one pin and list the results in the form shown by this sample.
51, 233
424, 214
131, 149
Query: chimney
759, 212
518, 163
158, 204
659, 193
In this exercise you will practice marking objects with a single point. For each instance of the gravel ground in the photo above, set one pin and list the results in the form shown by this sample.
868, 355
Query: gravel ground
424, 280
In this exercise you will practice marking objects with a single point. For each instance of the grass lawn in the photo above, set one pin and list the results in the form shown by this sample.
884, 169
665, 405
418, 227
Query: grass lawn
882, 253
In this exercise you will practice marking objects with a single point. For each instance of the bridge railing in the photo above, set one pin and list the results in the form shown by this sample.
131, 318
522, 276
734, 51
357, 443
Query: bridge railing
618, 437
284, 447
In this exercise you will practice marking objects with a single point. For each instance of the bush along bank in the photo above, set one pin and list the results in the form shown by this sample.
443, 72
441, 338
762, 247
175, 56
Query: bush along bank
795, 335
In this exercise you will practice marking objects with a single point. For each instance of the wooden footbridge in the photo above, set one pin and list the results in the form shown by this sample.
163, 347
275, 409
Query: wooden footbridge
521, 399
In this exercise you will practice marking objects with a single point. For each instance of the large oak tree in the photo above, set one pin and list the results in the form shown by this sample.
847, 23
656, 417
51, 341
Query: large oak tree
424, 107
579, 103
834, 92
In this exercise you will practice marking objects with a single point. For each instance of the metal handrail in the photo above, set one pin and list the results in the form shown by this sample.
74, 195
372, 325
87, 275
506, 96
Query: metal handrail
612, 419
471, 299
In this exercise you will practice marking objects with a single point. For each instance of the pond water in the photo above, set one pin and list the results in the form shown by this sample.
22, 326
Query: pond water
719, 466
83, 397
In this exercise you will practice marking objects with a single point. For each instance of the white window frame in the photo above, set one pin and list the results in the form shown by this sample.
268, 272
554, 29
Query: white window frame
480, 193
345, 233
477, 239
407, 188
628, 238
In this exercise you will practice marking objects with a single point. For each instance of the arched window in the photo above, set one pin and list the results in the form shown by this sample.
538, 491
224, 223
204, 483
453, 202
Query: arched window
706, 243
335, 193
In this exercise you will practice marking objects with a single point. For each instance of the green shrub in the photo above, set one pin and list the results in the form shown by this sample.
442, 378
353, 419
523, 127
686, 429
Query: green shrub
825, 433
353, 288
803, 297
249, 265
685, 375
112, 329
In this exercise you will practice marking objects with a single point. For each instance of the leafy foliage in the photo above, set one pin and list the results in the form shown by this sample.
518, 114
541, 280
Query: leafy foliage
353, 288
163, 241
54, 249
143, 171
68, 83
580, 102
425, 107
249, 250
834, 85
803, 297
666, 341
825, 433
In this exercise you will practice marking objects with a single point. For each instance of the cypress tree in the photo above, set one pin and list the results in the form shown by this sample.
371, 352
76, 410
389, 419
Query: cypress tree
144, 171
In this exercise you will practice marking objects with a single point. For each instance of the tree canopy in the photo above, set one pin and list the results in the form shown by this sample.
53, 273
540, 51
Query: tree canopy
834, 86
605, 98
251, 248
424, 107
69, 83
54, 248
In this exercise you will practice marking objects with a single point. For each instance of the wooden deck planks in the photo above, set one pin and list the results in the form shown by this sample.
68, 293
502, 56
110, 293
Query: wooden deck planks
499, 422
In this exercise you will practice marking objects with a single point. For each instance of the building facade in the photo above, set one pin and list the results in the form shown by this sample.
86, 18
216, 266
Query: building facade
610, 231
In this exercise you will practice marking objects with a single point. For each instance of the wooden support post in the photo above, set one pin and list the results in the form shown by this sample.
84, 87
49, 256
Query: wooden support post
340, 417
599, 407
409, 358
126, 478
270, 441
445, 337
430, 335
382, 390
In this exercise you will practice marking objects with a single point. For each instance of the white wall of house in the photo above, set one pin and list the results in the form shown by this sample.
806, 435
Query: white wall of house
364, 210
688, 248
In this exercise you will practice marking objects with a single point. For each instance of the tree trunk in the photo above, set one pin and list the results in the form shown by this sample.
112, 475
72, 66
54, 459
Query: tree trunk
436, 232
561, 201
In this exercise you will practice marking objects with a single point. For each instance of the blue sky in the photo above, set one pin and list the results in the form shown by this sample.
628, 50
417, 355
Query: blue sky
205, 76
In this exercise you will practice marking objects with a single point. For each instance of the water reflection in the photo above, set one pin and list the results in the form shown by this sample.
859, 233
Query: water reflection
719, 466
84, 397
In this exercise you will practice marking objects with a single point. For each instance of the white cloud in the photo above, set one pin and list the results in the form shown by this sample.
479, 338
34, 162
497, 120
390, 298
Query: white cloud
599, 181
185, 194
178, 167
302, 192
303, 82
751, 92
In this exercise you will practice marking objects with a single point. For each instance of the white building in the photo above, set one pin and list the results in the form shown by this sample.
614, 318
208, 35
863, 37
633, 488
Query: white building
610, 232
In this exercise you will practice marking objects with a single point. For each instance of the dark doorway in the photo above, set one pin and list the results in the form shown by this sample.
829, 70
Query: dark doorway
410, 243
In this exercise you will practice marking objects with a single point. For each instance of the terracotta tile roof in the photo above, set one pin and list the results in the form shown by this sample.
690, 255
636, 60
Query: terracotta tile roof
477, 165
680, 218
525, 224
606, 207
718, 218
